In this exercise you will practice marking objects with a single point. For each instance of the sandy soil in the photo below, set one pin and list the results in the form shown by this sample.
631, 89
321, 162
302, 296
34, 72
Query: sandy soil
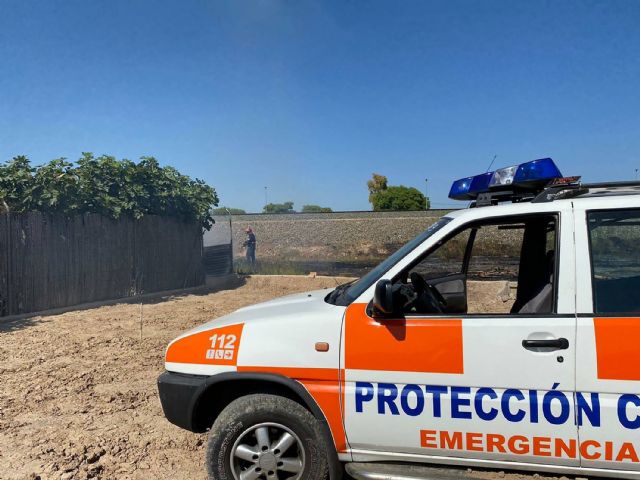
78, 397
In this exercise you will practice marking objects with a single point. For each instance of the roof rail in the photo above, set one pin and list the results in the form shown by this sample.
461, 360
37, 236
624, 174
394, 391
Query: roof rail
572, 190
632, 183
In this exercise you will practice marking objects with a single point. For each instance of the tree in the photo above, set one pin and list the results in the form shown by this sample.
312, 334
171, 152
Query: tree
286, 207
315, 209
384, 197
377, 184
398, 198
228, 211
107, 186
16, 184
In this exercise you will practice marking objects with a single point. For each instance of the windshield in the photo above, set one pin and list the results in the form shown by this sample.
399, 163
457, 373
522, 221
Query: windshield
348, 292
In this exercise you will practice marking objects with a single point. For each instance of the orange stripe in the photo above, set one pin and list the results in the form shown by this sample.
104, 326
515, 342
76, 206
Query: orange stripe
324, 386
419, 345
617, 348
199, 348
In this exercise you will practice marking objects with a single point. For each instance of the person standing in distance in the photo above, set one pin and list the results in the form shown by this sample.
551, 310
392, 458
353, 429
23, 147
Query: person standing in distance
250, 245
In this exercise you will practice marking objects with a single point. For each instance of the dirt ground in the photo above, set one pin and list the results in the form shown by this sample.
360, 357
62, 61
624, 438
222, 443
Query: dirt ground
78, 396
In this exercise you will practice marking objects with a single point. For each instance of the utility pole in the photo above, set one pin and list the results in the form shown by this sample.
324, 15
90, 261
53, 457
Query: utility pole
426, 194
266, 202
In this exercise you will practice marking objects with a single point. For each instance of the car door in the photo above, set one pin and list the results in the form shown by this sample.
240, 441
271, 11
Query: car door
608, 335
493, 386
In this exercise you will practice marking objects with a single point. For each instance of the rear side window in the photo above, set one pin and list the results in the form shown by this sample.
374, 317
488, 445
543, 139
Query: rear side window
614, 236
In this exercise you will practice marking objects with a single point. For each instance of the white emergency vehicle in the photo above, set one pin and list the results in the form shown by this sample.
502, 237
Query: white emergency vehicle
419, 362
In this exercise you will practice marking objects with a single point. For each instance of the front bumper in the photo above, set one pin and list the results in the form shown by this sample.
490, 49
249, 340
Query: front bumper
178, 396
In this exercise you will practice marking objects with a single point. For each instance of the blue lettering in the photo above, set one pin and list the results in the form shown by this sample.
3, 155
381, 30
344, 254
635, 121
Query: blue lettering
506, 410
555, 405
592, 411
387, 394
364, 393
565, 407
623, 401
457, 402
533, 405
436, 391
404, 400
477, 402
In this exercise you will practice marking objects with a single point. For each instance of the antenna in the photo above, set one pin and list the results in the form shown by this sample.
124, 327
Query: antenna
491, 164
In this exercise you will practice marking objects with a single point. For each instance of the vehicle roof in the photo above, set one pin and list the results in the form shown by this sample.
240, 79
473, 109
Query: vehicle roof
604, 196
507, 209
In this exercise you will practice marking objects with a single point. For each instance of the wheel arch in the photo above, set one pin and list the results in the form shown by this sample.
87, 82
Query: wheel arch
220, 390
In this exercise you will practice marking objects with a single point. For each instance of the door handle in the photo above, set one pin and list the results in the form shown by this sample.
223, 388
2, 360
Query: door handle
556, 343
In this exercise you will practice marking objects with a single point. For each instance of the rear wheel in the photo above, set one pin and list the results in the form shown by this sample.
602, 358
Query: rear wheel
266, 437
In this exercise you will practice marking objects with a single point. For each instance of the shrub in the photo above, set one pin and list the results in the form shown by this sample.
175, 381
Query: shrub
286, 207
315, 209
106, 186
398, 198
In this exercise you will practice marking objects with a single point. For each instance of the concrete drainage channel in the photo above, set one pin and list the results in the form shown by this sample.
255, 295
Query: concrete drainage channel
387, 471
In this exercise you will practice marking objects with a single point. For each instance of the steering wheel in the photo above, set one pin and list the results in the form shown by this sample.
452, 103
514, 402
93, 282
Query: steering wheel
421, 286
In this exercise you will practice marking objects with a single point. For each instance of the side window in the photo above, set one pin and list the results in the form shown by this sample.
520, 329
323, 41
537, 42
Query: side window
493, 268
512, 267
498, 267
614, 236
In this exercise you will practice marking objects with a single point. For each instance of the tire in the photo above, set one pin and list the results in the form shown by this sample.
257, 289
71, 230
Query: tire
237, 431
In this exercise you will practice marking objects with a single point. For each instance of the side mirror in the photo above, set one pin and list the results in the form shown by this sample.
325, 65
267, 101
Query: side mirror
383, 304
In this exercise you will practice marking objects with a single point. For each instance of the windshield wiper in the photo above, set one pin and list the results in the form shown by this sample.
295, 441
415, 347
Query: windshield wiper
338, 291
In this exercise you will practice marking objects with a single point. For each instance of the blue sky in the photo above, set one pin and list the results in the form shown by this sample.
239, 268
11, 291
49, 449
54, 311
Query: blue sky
310, 97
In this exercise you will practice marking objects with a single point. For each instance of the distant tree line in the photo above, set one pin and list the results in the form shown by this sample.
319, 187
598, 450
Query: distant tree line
287, 207
106, 186
382, 196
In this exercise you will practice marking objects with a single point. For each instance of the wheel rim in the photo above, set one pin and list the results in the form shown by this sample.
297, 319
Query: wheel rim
267, 451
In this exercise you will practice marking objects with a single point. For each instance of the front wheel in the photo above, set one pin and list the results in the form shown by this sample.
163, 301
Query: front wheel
266, 437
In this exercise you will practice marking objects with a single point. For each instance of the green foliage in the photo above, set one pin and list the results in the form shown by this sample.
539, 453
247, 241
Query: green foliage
227, 211
107, 186
399, 198
395, 198
286, 207
16, 184
315, 209
377, 184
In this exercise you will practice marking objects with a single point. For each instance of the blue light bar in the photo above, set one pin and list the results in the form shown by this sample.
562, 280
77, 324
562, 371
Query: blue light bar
480, 183
469, 187
524, 177
536, 171
460, 189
